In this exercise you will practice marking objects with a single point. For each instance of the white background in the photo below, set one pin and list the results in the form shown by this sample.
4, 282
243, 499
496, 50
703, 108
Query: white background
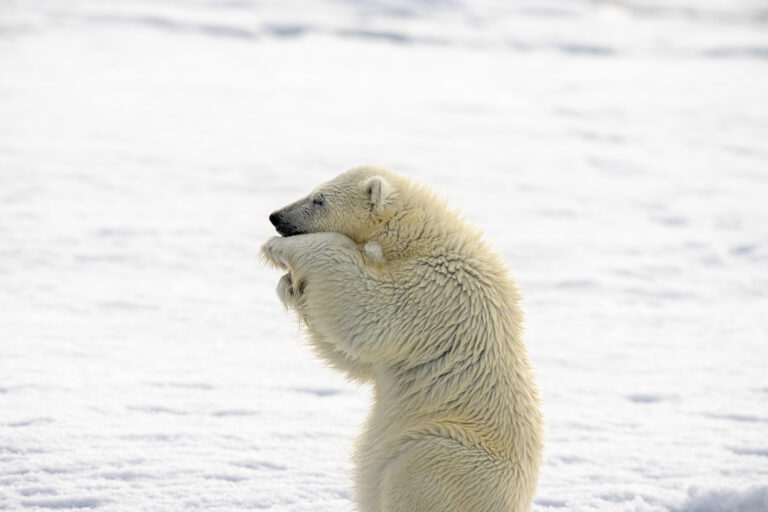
615, 152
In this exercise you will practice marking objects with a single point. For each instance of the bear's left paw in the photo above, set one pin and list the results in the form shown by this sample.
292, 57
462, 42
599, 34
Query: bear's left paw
272, 255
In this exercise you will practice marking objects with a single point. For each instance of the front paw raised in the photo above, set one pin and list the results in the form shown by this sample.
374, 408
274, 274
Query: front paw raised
290, 291
299, 251
272, 254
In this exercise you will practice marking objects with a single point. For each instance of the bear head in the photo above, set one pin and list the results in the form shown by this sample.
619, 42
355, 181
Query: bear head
353, 204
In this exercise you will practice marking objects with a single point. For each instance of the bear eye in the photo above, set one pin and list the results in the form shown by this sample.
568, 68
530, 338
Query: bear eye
318, 200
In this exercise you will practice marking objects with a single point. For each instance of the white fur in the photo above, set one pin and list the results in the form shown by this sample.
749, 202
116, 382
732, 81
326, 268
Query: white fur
374, 252
434, 326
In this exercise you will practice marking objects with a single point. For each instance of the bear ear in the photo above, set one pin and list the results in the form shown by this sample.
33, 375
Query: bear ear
379, 193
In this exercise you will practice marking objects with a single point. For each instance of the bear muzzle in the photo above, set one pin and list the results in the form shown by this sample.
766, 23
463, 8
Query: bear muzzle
282, 226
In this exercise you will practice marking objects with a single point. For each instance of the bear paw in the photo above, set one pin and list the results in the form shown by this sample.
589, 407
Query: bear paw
373, 252
289, 291
272, 253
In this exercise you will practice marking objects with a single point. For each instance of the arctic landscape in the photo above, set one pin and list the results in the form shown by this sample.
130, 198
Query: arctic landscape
616, 153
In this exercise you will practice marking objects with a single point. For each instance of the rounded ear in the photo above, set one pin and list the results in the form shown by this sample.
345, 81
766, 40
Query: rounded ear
379, 193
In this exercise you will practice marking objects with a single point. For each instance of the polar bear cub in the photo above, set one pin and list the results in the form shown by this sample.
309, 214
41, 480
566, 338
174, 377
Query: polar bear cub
397, 290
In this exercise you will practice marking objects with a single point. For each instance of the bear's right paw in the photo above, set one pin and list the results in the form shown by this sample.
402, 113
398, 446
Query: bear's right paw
289, 291
374, 252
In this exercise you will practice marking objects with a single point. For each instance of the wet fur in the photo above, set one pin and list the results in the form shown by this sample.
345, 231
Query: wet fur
435, 327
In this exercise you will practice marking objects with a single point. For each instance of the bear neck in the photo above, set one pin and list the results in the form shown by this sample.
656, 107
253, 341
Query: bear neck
415, 231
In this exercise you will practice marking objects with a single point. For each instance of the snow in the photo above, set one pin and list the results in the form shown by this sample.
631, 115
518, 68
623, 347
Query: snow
615, 152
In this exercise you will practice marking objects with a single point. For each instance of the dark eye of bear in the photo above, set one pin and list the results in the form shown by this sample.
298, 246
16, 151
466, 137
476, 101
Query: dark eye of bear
318, 201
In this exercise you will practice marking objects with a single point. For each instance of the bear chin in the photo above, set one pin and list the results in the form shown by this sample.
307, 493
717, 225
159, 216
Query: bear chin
289, 232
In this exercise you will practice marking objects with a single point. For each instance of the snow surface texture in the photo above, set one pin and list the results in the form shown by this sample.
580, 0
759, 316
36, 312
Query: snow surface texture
615, 151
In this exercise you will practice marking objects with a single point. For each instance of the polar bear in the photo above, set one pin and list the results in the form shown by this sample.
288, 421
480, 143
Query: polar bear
397, 290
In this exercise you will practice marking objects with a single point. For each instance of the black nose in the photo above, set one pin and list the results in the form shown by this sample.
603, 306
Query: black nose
274, 219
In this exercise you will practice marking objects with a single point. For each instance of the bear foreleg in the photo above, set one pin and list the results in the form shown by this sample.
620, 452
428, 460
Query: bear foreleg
332, 290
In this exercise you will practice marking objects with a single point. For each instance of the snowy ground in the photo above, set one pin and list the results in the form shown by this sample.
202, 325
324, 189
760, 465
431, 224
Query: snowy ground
616, 152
